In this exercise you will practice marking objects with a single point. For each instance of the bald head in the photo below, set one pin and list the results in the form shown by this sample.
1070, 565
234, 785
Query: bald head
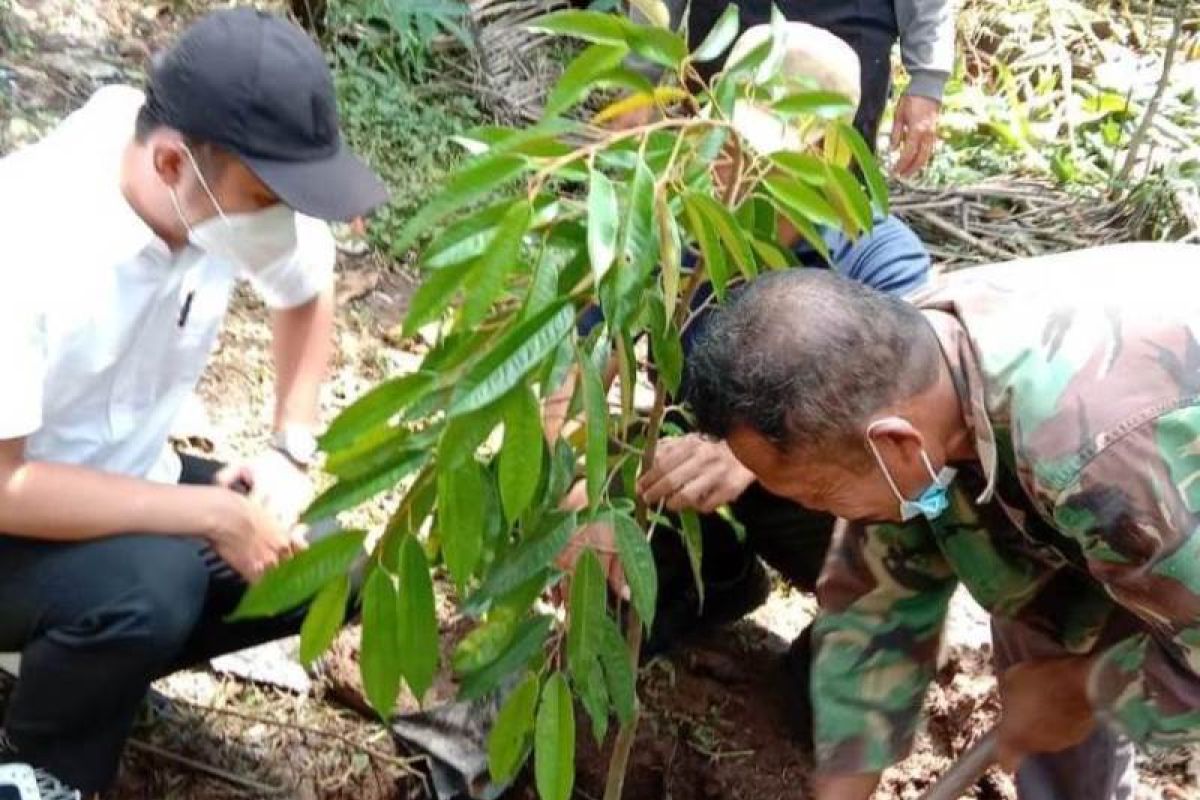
805, 357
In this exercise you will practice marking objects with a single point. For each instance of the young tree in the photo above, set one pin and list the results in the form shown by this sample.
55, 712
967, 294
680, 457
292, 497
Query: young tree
549, 223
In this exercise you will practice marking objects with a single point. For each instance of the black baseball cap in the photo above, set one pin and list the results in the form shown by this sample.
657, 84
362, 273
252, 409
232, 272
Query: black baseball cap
257, 85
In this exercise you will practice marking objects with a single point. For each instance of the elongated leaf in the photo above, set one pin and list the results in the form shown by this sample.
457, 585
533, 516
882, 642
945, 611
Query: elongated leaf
806, 229
468, 184
379, 661
409, 517
461, 519
497, 263
658, 45
851, 196
802, 199
730, 233
655, 12
804, 166
486, 643
463, 435
435, 295
349, 493
771, 254
774, 58
638, 563
749, 63
868, 165
694, 542
706, 237
523, 452
638, 247
470, 238
554, 741
593, 693
670, 250
518, 352
603, 223
668, 356
325, 618
418, 620
375, 408
619, 673
376, 452
526, 560
826, 105
591, 26
527, 643
508, 742
626, 78
300, 577
586, 610
582, 74
595, 406
719, 37
544, 288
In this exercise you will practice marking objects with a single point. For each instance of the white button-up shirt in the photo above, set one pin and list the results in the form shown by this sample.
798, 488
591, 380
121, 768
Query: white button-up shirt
94, 363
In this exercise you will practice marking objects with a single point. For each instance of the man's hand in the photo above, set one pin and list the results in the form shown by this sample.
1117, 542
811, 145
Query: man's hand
248, 538
274, 482
692, 472
595, 536
914, 133
1045, 708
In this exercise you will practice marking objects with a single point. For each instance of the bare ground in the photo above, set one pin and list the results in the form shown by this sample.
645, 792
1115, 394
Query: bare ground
716, 722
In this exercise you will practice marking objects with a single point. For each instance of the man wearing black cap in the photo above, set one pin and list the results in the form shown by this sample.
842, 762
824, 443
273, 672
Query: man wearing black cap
122, 234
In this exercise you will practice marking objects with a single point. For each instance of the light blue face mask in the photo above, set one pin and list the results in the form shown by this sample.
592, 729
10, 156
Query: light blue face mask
933, 501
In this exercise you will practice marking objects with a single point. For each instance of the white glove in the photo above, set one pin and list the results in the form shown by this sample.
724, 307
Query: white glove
275, 482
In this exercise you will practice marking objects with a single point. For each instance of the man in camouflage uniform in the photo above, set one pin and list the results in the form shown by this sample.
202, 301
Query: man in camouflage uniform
1031, 429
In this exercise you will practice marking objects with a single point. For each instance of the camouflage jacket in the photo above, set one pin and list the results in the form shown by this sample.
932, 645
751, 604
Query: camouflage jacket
1079, 376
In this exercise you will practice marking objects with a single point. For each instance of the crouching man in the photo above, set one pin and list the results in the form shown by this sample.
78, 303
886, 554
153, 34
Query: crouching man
1031, 429
123, 232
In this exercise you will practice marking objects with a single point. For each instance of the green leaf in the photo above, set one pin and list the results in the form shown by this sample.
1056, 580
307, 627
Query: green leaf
486, 643
693, 541
595, 406
435, 295
603, 223
593, 693
470, 183
747, 64
802, 199
527, 642
638, 564
626, 78
554, 741
496, 264
730, 233
591, 26
806, 229
463, 435
705, 234
522, 455
619, 673
671, 249
291, 583
851, 195
375, 452
349, 493
508, 742
804, 166
869, 166
562, 472
774, 58
771, 254
525, 561
324, 619
375, 408
658, 45
409, 517
587, 608
667, 350
719, 37
380, 658
826, 105
460, 518
418, 620
513, 357
584, 71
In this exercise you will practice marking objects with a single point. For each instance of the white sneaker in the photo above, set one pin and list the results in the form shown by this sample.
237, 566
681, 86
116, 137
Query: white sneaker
23, 782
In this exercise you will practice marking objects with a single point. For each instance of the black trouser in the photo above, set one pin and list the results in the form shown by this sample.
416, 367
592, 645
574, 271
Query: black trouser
97, 621
789, 537
868, 26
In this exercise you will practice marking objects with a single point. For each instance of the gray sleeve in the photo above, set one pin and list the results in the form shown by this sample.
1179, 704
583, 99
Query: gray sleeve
926, 44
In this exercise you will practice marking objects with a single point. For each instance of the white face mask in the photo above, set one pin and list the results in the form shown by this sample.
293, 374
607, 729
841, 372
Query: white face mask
254, 241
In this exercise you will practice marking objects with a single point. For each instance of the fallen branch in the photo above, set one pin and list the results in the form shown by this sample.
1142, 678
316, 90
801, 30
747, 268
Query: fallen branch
260, 789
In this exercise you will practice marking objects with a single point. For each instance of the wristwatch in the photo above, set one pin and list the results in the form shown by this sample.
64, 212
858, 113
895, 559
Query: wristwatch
297, 443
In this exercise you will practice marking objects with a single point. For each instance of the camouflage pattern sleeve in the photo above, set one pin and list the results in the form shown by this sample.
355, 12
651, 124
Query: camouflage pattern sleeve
884, 594
1135, 511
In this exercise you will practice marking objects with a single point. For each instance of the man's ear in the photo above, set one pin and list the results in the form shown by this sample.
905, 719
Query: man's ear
897, 440
166, 153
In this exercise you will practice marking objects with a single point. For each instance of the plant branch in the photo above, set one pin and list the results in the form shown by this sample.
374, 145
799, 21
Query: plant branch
1143, 128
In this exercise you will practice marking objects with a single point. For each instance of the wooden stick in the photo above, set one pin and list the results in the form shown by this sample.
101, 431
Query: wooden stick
961, 235
260, 789
1143, 128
